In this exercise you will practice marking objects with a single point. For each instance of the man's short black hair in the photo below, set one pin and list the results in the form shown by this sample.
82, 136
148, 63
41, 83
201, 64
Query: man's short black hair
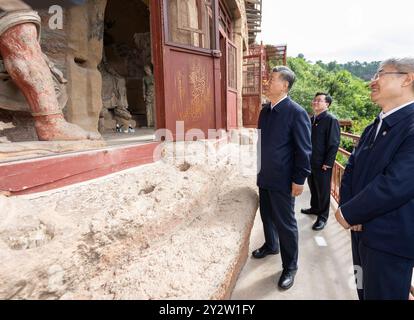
328, 98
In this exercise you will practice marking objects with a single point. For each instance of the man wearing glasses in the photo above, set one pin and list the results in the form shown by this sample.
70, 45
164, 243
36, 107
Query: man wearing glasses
326, 136
377, 190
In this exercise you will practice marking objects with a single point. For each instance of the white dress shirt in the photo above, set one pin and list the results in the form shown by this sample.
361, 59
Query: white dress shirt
383, 115
272, 106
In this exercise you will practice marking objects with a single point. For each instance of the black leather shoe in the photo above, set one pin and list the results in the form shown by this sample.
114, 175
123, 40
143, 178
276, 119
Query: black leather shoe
319, 225
307, 211
287, 279
263, 252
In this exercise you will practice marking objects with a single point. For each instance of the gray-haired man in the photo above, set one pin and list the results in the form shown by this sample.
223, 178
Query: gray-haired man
286, 148
377, 190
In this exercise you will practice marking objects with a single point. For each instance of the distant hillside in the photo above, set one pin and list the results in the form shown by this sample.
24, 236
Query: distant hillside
363, 70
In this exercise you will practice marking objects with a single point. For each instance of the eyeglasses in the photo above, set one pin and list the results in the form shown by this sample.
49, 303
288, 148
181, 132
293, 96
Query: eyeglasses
318, 101
381, 73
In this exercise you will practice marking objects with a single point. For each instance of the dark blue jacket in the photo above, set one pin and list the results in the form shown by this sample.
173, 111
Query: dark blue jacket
284, 147
377, 188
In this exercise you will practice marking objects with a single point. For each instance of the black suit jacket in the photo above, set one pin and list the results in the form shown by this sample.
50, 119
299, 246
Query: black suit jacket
285, 147
326, 135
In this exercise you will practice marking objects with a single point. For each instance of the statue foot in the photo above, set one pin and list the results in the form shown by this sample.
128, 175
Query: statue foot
56, 128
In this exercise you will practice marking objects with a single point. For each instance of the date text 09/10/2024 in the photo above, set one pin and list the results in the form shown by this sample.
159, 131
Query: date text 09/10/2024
208, 309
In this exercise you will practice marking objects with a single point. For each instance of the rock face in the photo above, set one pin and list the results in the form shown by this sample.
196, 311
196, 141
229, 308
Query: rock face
82, 57
176, 229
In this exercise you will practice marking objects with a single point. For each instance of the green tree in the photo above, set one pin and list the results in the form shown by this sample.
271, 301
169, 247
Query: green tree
351, 94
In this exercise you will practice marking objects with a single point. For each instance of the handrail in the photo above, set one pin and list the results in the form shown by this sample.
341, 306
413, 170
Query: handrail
350, 135
344, 152
338, 169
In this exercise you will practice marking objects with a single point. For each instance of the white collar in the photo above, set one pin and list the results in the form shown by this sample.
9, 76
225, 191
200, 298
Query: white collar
384, 115
272, 106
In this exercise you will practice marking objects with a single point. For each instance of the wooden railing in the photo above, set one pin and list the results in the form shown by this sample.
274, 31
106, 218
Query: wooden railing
338, 169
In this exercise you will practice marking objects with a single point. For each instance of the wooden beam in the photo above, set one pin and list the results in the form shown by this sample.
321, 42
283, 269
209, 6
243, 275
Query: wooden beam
42, 174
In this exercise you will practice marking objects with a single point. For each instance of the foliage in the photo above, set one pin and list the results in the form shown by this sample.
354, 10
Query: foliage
351, 95
347, 144
363, 70
359, 125
343, 160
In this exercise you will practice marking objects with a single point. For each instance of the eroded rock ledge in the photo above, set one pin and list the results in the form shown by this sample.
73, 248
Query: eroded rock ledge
176, 229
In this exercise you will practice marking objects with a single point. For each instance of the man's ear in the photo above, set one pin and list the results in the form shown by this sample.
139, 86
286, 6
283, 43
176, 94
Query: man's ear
286, 86
409, 80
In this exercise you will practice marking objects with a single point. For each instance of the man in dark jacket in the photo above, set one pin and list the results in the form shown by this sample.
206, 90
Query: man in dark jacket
326, 136
377, 190
284, 160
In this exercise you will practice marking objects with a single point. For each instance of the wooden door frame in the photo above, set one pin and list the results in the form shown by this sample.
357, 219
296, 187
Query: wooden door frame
222, 34
230, 89
157, 42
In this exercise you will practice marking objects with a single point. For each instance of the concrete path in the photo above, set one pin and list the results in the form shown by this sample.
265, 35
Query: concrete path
325, 272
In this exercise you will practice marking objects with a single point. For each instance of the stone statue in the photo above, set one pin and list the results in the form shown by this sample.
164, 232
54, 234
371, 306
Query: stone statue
148, 92
114, 97
35, 77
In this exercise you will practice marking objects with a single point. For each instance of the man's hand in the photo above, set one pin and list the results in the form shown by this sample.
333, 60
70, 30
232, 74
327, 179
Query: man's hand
357, 228
339, 217
325, 167
296, 189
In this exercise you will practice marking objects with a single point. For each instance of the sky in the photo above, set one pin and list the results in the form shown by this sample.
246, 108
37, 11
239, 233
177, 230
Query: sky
363, 30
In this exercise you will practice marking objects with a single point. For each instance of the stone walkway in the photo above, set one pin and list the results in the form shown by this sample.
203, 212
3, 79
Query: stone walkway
325, 264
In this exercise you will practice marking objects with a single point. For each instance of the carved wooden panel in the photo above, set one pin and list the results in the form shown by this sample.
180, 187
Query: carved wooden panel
189, 92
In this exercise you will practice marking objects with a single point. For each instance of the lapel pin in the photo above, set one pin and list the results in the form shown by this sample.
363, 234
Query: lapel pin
384, 133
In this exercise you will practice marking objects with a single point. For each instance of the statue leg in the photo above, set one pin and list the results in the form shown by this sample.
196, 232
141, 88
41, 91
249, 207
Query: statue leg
150, 113
25, 64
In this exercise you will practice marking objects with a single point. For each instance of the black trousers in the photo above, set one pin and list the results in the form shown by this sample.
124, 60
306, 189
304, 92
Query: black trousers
280, 226
380, 275
319, 183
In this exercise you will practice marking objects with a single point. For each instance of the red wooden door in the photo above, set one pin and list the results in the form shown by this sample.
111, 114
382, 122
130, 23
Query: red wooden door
187, 68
